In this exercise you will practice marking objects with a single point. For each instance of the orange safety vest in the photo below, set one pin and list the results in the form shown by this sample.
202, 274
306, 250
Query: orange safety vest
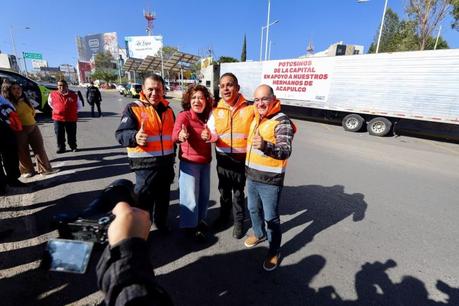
255, 158
159, 130
232, 125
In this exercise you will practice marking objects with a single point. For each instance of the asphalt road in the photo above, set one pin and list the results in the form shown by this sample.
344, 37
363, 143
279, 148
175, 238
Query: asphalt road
366, 221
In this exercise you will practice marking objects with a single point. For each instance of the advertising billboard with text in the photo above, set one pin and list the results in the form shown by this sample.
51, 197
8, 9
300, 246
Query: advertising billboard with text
301, 79
142, 46
90, 45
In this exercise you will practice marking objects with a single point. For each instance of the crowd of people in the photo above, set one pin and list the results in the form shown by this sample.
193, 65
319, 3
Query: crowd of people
252, 145
19, 131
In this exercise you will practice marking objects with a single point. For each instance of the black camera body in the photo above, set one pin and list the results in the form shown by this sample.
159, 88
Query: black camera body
92, 224
86, 229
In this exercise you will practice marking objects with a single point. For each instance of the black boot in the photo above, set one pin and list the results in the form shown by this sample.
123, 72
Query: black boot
238, 230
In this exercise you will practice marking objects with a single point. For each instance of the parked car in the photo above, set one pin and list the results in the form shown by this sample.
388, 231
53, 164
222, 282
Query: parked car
121, 88
133, 90
36, 92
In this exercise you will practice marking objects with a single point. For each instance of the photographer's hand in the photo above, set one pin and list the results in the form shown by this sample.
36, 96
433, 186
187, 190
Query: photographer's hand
129, 222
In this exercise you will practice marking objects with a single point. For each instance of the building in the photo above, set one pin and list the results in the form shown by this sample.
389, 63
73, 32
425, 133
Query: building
8, 61
337, 49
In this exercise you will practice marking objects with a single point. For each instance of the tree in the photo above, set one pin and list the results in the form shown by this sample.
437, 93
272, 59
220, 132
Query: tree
244, 50
401, 36
389, 36
427, 14
105, 67
227, 59
104, 61
455, 14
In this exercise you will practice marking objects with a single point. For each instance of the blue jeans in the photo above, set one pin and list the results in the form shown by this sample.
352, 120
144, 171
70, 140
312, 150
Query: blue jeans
263, 204
194, 185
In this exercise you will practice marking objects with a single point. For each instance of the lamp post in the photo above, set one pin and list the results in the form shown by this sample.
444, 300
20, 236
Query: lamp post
261, 39
381, 27
267, 30
13, 44
438, 36
269, 50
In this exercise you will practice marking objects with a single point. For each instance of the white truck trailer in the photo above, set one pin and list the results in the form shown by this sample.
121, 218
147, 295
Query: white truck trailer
415, 91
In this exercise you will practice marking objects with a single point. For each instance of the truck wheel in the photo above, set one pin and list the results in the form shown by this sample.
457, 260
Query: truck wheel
352, 122
379, 126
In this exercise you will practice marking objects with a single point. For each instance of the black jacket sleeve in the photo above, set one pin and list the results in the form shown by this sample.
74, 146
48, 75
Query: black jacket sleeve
125, 133
125, 275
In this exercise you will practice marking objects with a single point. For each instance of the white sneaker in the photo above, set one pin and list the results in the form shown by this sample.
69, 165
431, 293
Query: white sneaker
27, 175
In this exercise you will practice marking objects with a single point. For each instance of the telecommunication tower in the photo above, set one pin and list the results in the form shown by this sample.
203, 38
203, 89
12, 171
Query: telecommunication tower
150, 17
310, 48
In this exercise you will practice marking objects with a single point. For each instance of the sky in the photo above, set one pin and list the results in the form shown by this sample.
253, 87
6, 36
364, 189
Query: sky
50, 27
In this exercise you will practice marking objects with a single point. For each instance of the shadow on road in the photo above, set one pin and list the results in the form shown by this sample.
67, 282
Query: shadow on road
322, 206
233, 278
237, 279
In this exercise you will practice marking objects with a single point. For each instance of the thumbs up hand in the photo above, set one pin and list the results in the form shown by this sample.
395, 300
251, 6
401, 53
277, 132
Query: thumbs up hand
183, 134
205, 134
141, 136
257, 141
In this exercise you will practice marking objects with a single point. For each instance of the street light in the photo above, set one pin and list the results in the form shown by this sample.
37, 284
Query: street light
261, 38
13, 44
381, 27
382, 22
438, 36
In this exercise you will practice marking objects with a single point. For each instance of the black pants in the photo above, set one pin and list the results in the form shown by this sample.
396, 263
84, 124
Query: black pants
98, 108
9, 161
60, 128
232, 182
153, 187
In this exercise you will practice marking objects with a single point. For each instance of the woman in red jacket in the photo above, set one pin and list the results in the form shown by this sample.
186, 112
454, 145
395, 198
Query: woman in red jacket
190, 130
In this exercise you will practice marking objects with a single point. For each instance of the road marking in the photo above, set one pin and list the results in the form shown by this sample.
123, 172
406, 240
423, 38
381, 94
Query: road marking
13, 271
34, 241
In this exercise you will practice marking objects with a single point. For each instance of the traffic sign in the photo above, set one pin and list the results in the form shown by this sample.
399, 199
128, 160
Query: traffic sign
32, 55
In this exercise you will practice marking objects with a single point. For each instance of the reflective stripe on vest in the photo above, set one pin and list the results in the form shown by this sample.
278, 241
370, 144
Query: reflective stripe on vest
149, 154
230, 150
256, 159
159, 130
232, 125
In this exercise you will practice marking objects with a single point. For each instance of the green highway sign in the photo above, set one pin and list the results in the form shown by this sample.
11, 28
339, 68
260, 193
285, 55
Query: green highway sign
32, 55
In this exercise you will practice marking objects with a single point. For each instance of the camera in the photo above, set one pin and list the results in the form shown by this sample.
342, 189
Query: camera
92, 224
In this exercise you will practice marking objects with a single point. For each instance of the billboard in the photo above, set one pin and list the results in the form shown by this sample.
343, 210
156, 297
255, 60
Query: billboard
84, 72
37, 63
142, 46
90, 45
300, 79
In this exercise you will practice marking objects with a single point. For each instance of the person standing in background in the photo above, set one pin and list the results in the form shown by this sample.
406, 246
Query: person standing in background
9, 124
30, 135
94, 98
65, 105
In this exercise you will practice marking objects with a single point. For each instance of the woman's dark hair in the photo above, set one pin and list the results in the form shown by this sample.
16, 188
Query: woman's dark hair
15, 100
186, 98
